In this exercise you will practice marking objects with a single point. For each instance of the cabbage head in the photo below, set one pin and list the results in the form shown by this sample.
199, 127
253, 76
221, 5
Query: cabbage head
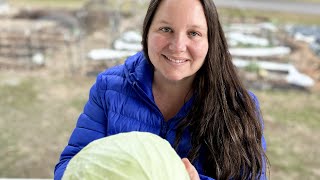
127, 156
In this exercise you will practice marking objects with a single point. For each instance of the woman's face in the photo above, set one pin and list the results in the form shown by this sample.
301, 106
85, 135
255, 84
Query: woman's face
177, 39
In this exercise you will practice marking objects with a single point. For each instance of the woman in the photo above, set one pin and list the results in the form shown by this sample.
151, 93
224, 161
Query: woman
184, 88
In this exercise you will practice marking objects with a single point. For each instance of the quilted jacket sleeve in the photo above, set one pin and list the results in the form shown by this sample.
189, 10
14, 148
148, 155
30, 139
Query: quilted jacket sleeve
90, 126
203, 177
263, 141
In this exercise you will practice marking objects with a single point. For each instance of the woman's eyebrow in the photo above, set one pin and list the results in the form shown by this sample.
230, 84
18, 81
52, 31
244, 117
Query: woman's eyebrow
163, 22
196, 26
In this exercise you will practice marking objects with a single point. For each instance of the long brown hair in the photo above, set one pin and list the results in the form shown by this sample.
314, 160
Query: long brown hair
223, 119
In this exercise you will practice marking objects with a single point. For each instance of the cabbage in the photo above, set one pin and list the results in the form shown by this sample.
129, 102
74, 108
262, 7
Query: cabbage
127, 156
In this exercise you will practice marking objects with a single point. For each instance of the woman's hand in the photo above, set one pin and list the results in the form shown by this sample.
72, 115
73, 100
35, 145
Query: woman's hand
193, 173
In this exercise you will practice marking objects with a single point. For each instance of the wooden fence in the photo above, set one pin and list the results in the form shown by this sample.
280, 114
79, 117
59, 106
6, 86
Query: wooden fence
29, 47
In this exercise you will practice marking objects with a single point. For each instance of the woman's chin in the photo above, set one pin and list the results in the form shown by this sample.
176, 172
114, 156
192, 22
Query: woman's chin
176, 78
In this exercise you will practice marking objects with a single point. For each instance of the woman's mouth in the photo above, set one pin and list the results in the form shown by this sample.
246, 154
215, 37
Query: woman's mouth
176, 60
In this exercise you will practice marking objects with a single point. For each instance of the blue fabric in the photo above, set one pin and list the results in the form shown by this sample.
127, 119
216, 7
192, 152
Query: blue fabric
121, 100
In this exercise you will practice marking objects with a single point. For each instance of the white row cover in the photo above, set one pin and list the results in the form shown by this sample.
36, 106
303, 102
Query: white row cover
260, 52
293, 75
251, 28
235, 38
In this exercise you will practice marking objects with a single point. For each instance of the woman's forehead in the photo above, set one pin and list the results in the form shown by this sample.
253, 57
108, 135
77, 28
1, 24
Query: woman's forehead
176, 11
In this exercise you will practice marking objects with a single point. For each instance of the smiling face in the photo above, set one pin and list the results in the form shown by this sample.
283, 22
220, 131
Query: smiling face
177, 39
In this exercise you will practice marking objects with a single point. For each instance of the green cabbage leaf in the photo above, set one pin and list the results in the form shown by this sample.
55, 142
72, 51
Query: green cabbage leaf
127, 156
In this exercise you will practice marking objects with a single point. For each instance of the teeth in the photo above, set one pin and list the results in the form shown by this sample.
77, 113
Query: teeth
176, 60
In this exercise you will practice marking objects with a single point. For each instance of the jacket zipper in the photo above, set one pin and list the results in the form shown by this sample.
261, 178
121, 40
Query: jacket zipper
142, 94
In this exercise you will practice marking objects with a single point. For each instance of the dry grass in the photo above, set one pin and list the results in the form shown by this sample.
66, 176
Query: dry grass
292, 129
38, 112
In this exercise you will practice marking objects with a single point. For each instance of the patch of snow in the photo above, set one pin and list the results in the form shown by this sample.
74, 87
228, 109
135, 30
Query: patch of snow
4, 8
38, 59
108, 54
123, 45
132, 37
306, 38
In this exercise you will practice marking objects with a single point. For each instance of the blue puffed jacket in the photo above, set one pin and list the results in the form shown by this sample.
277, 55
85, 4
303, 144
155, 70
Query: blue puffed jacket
121, 100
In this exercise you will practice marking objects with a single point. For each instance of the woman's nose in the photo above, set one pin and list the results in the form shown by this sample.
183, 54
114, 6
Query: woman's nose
178, 43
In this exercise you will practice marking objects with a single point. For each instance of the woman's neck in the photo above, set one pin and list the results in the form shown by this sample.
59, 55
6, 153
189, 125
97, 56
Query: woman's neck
171, 96
172, 88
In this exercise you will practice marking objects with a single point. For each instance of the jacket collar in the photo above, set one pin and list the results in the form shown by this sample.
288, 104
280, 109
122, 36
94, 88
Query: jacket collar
139, 71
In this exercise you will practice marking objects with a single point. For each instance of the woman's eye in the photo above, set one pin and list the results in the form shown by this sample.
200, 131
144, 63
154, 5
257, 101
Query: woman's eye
194, 34
165, 29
